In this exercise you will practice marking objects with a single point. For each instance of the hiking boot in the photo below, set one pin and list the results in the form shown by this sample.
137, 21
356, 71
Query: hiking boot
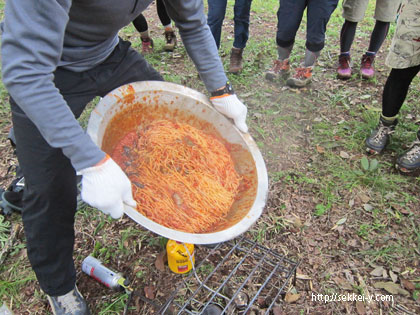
146, 45
170, 39
409, 162
301, 78
280, 69
71, 303
235, 60
366, 68
344, 68
380, 137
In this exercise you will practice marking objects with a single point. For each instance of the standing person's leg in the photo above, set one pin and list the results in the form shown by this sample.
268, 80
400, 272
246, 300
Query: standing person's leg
140, 23
50, 199
318, 15
289, 17
163, 15
353, 13
215, 17
241, 19
50, 179
393, 97
170, 37
385, 12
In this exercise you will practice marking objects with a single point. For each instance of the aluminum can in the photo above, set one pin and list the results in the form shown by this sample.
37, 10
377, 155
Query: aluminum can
94, 268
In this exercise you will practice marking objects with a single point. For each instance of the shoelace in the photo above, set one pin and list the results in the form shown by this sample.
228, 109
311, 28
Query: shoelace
382, 132
146, 45
367, 62
279, 65
169, 36
303, 73
343, 63
69, 302
414, 151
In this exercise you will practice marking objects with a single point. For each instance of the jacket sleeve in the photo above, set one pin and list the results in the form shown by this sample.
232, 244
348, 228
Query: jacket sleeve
32, 41
198, 40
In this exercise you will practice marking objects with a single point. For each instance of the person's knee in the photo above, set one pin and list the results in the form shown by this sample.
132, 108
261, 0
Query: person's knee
284, 43
315, 46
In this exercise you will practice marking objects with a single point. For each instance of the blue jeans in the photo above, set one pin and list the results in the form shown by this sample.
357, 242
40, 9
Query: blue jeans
216, 15
289, 17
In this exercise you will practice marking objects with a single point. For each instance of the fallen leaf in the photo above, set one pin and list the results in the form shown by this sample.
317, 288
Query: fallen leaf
351, 203
396, 269
364, 198
391, 287
360, 308
160, 261
344, 155
377, 272
302, 277
341, 221
261, 302
276, 310
393, 276
352, 243
149, 292
367, 207
408, 285
349, 276
320, 149
291, 297
343, 284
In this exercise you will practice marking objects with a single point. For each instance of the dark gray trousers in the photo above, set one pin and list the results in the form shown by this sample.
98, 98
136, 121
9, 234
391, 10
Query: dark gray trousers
50, 193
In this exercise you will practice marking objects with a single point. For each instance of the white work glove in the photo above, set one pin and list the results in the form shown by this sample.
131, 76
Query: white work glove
230, 106
106, 187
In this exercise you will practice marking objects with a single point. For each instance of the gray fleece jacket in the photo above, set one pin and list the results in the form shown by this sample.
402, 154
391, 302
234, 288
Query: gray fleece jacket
40, 35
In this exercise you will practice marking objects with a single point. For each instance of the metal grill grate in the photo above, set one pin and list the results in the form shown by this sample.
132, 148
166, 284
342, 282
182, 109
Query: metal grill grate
234, 277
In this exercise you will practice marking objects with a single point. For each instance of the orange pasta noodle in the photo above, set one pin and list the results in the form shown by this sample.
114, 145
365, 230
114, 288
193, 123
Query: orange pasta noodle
182, 178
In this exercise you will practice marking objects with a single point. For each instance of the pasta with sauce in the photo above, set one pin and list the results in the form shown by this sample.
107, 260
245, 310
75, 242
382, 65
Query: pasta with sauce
182, 178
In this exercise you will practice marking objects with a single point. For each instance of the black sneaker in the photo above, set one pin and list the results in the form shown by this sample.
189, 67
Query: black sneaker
380, 137
71, 303
409, 162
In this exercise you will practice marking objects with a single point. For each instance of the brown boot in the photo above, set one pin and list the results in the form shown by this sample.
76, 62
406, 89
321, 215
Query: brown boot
170, 38
235, 60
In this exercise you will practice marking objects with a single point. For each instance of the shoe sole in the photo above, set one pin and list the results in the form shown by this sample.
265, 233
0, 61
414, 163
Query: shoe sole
169, 47
275, 77
414, 172
366, 77
343, 77
271, 76
373, 151
292, 83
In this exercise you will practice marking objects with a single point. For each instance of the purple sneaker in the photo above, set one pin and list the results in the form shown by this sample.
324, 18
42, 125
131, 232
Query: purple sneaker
344, 68
366, 67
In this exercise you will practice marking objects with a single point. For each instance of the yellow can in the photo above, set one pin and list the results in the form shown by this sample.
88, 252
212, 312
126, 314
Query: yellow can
178, 258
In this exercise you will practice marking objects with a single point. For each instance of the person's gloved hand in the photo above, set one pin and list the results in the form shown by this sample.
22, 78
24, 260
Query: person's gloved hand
230, 106
106, 187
